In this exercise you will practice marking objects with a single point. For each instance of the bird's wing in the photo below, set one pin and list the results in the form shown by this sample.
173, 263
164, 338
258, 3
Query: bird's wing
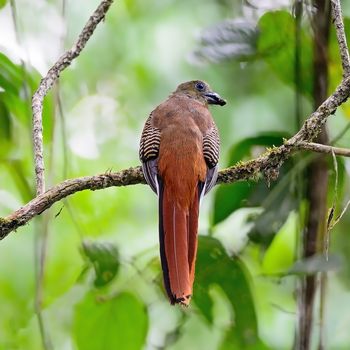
149, 150
211, 150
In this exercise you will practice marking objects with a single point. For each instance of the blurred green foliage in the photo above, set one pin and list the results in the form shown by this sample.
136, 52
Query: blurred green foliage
102, 286
104, 259
117, 323
277, 45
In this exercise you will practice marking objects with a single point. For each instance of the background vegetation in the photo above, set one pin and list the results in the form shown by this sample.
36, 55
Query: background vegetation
88, 269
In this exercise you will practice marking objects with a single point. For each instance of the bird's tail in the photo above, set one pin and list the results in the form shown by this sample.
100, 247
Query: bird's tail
178, 245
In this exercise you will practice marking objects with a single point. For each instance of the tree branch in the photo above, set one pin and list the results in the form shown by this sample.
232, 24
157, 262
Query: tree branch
66, 188
341, 37
46, 84
268, 164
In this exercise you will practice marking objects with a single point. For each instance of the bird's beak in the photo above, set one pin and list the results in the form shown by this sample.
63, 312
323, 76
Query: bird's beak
214, 99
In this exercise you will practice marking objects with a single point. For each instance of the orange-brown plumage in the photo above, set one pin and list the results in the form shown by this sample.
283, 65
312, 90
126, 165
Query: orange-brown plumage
179, 150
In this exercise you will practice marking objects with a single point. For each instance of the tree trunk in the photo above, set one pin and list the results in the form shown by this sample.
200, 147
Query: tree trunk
317, 176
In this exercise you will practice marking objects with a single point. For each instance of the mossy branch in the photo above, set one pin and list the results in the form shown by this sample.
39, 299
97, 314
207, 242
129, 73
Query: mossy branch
268, 164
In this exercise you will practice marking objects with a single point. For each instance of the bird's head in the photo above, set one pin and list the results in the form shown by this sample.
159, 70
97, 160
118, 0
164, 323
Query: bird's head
201, 91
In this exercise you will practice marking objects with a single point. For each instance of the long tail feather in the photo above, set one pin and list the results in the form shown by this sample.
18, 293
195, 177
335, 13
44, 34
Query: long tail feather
192, 234
163, 259
178, 246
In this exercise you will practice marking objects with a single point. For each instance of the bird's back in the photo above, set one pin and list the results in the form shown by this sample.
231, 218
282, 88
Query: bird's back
181, 164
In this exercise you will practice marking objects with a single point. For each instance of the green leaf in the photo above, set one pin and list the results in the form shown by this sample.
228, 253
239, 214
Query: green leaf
231, 197
280, 254
2, 3
16, 87
117, 323
5, 129
214, 266
18, 107
276, 44
230, 343
315, 264
277, 201
233, 39
105, 260
11, 75
243, 149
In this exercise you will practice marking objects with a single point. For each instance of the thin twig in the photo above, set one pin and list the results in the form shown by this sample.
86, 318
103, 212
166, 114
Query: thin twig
44, 334
333, 208
322, 318
47, 82
41, 251
345, 60
298, 76
63, 129
340, 215
42, 241
323, 275
37, 105
320, 148
19, 42
341, 37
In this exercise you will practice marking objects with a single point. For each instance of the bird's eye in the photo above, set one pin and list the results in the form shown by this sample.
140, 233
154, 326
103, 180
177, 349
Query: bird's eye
200, 86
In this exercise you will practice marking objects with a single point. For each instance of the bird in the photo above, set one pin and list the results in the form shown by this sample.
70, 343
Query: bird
179, 153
